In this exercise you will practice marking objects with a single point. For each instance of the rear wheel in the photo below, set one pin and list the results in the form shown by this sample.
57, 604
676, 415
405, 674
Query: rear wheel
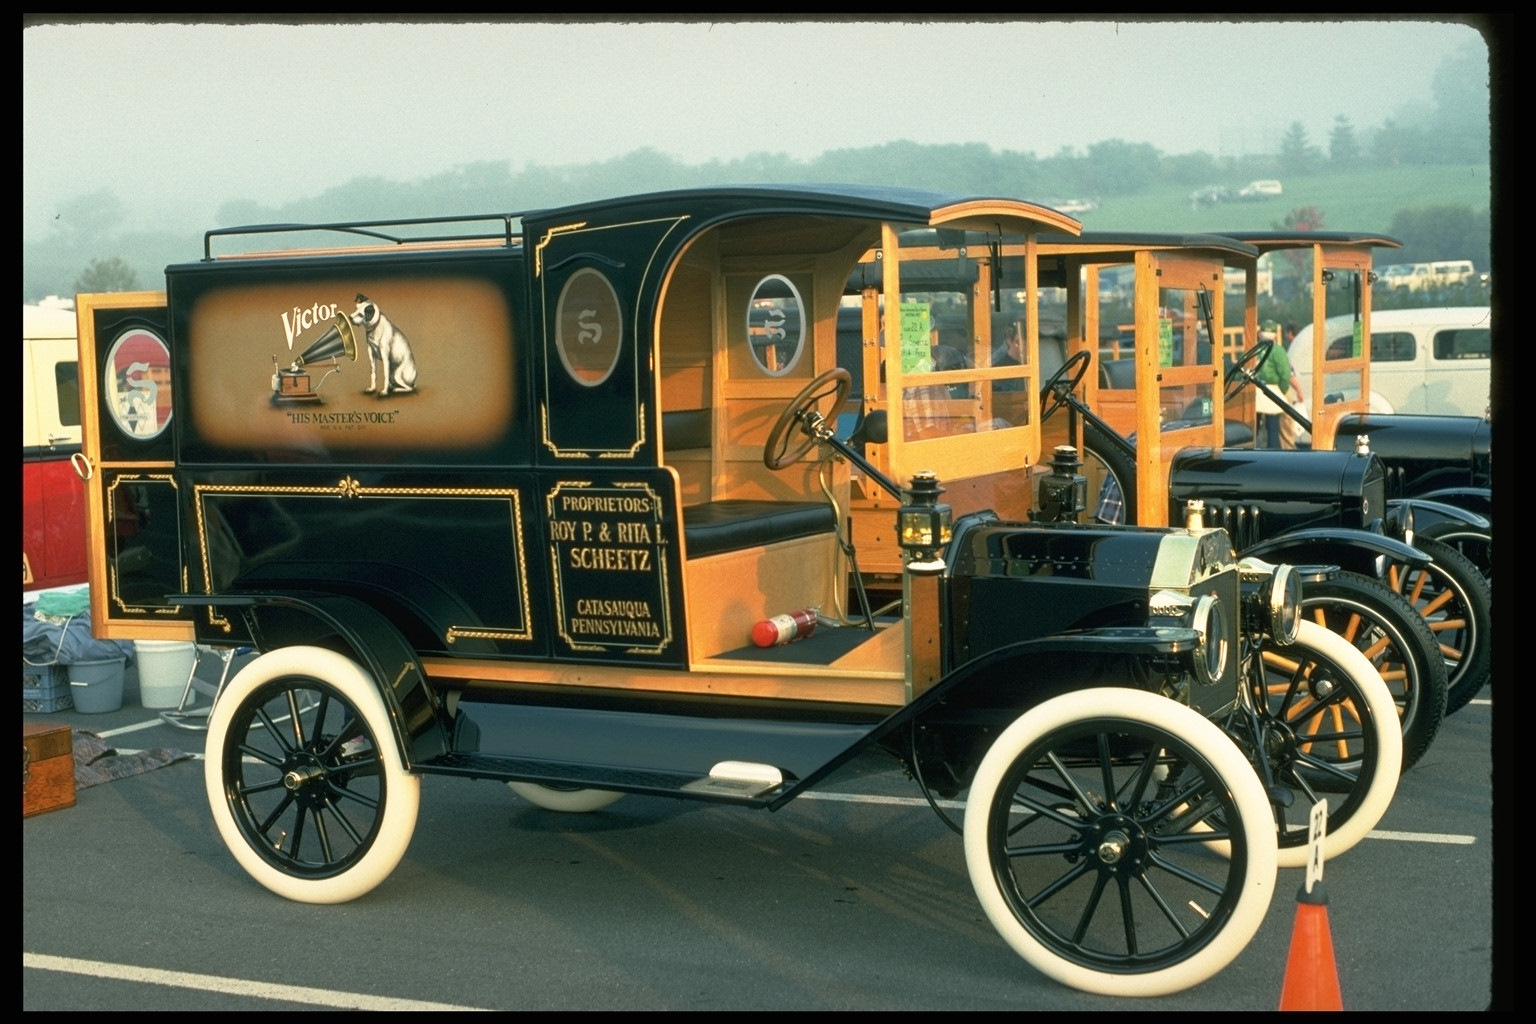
1320, 727
1396, 640
1452, 597
304, 779
571, 801
1102, 454
1089, 836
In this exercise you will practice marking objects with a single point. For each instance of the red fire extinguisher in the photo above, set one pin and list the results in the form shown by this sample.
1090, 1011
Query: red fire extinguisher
781, 629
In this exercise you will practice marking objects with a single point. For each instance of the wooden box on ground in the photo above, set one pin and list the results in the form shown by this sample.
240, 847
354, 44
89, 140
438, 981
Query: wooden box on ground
47, 768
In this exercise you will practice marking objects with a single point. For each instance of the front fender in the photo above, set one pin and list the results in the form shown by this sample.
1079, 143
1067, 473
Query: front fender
1463, 506
1011, 679
1351, 550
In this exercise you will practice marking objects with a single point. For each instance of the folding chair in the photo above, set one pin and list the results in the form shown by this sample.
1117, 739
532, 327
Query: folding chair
184, 716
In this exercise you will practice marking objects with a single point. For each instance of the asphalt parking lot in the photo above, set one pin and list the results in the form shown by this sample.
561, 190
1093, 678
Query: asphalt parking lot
852, 897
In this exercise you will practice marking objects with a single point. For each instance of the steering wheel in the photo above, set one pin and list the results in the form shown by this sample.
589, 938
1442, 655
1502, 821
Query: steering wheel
777, 453
1238, 375
1078, 367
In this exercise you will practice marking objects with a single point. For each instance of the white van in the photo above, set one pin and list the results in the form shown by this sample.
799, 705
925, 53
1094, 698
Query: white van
1435, 360
1419, 277
1451, 273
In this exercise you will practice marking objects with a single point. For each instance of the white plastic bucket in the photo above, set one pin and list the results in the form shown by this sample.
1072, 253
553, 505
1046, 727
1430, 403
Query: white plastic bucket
164, 667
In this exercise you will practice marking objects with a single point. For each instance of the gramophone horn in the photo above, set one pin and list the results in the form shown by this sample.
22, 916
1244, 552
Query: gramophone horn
340, 338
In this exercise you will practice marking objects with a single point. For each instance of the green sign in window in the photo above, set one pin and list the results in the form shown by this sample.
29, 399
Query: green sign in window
1165, 341
916, 324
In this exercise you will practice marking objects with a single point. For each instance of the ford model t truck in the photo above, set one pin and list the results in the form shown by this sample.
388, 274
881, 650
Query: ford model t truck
541, 498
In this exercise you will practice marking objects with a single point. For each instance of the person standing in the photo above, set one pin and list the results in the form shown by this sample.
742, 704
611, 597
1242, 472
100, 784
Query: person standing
1275, 371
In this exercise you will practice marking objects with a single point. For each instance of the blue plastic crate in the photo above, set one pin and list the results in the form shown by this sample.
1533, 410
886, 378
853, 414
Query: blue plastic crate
45, 688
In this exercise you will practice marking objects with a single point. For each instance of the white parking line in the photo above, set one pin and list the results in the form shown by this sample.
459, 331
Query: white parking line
229, 986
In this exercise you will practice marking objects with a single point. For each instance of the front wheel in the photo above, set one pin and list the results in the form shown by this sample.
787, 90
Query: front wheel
1320, 726
304, 779
1394, 638
1453, 598
1089, 836
1476, 546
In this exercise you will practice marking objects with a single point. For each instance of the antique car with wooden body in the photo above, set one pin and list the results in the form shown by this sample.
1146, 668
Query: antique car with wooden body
1439, 467
540, 498
1315, 509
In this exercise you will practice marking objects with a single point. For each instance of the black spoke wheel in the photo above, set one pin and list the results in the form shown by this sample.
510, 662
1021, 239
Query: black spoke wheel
1394, 638
303, 777
1089, 837
1453, 599
1473, 545
1320, 725
1104, 460
1054, 392
783, 448
1240, 373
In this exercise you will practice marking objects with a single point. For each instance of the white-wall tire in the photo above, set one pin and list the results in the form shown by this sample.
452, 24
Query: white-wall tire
571, 801
1011, 809
347, 779
1354, 811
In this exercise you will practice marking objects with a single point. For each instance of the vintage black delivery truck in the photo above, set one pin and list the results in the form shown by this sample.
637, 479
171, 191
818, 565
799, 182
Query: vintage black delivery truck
562, 499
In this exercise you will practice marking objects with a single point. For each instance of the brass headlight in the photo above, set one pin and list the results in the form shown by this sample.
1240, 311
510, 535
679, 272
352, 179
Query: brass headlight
1284, 602
1203, 615
1211, 658
1272, 599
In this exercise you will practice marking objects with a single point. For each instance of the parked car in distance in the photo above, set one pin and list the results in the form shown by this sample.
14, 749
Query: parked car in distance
1262, 189
53, 497
1433, 360
1076, 205
1426, 277
1210, 195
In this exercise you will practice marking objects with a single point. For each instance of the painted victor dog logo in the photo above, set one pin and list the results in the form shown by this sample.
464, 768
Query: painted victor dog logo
276, 368
391, 361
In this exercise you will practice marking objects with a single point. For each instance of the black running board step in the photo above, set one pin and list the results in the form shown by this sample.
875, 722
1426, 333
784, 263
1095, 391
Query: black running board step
729, 782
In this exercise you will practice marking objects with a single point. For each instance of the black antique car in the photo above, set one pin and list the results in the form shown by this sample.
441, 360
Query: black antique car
1154, 422
563, 499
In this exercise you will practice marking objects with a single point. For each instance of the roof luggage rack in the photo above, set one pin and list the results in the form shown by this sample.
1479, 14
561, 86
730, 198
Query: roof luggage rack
510, 234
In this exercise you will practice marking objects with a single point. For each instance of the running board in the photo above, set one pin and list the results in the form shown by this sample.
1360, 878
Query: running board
735, 782
662, 749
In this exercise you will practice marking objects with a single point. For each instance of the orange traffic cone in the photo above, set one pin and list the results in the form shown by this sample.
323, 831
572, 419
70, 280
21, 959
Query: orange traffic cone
1311, 975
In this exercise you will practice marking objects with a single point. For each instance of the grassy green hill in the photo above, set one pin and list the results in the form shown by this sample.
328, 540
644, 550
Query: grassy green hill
1364, 200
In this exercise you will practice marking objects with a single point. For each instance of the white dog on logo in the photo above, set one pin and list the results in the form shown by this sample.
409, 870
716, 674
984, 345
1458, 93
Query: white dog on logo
388, 350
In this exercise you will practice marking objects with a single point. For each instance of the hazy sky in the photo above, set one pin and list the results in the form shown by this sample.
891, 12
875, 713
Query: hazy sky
189, 116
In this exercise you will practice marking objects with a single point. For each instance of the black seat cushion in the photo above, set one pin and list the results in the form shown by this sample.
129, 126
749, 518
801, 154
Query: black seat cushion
718, 526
